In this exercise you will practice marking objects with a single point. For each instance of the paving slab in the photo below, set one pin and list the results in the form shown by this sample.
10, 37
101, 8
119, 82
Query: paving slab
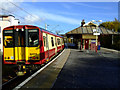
47, 77
88, 69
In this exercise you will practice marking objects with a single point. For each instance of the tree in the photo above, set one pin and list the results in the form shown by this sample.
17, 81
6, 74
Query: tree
115, 25
111, 25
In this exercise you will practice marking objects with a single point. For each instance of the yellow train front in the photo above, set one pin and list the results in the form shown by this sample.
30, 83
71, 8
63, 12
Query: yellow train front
27, 45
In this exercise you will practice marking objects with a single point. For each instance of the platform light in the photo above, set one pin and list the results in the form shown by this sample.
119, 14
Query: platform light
99, 20
93, 21
96, 32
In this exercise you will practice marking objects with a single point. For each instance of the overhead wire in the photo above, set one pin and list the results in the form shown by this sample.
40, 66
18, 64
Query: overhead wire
39, 20
25, 11
14, 14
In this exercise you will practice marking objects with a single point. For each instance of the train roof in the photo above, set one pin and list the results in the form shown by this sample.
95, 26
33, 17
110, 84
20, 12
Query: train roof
42, 29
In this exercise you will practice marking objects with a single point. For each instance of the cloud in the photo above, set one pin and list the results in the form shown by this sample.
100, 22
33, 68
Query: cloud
105, 14
87, 5
44, 15
32, 19
8, 5
58, 18
66, 6
67, 0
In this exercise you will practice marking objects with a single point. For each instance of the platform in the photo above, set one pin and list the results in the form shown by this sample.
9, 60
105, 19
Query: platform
80, 69
88, 69
48, 76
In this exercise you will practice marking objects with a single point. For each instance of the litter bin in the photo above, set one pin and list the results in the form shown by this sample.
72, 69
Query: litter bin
98, 47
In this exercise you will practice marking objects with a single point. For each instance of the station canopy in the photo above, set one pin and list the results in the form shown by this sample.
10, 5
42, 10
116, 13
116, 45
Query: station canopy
89, 30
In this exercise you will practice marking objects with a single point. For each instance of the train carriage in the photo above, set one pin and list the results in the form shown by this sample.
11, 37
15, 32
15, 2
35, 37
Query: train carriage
27, 44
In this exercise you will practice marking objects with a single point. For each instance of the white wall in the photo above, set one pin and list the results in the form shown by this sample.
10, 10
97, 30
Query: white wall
7, 22
3, 24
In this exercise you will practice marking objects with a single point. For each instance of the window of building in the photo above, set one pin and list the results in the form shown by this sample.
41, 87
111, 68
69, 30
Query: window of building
0, 18
0, 29
52, 41
0, 40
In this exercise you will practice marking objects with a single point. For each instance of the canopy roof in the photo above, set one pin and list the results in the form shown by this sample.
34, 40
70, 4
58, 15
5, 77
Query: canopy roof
89, 30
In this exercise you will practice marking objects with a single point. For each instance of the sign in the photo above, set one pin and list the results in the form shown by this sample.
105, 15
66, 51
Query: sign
7, 31
93, 40
32, 31
94, 30
96, 33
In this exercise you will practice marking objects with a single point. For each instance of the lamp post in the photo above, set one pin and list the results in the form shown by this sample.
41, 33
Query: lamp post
46, 26
96, 32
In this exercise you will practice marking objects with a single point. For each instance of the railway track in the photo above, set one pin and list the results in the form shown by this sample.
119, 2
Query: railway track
15, 81
10, 84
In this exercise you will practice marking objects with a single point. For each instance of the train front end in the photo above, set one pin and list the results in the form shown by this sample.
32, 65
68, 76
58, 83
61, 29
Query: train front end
21, 46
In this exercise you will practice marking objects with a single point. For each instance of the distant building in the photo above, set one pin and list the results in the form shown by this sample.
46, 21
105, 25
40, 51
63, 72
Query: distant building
5, 21
83, 37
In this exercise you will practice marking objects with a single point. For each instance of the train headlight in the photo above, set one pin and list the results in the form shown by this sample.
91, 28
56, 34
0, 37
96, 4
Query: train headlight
22, 29
17, 29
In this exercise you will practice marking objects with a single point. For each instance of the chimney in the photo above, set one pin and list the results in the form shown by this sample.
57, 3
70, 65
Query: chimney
82, 23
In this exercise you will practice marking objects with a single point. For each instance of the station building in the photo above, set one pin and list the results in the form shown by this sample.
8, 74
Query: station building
83, 37
5, 21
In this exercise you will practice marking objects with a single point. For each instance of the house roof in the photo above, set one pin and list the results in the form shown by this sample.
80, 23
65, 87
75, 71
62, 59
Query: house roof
90, 23
89, 30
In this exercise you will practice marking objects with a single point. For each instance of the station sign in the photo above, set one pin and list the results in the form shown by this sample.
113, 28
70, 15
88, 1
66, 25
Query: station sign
8, 31
32, 31
96, 33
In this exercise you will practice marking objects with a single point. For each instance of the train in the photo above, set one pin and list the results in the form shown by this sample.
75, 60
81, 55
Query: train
28, 45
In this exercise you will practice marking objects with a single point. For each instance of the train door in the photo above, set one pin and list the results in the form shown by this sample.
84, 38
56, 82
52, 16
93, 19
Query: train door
19, 49
55, 45
33, 46
86, 43
61, 42
47, 45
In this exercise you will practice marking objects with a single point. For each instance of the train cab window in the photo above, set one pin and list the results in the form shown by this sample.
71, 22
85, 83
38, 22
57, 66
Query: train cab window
8, 38
52, 41
8, 41
33, 39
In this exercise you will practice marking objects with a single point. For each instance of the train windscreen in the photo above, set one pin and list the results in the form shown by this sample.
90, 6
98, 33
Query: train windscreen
33, 38
8, 38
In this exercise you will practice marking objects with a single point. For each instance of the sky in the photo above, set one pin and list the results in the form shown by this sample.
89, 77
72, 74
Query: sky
60, 16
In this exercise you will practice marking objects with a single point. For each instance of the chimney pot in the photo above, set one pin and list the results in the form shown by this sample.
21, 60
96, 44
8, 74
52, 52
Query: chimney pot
82, 23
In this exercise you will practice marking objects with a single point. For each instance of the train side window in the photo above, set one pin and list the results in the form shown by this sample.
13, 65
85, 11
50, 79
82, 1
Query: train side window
62, 41
58, 40
52, 41
44, 40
